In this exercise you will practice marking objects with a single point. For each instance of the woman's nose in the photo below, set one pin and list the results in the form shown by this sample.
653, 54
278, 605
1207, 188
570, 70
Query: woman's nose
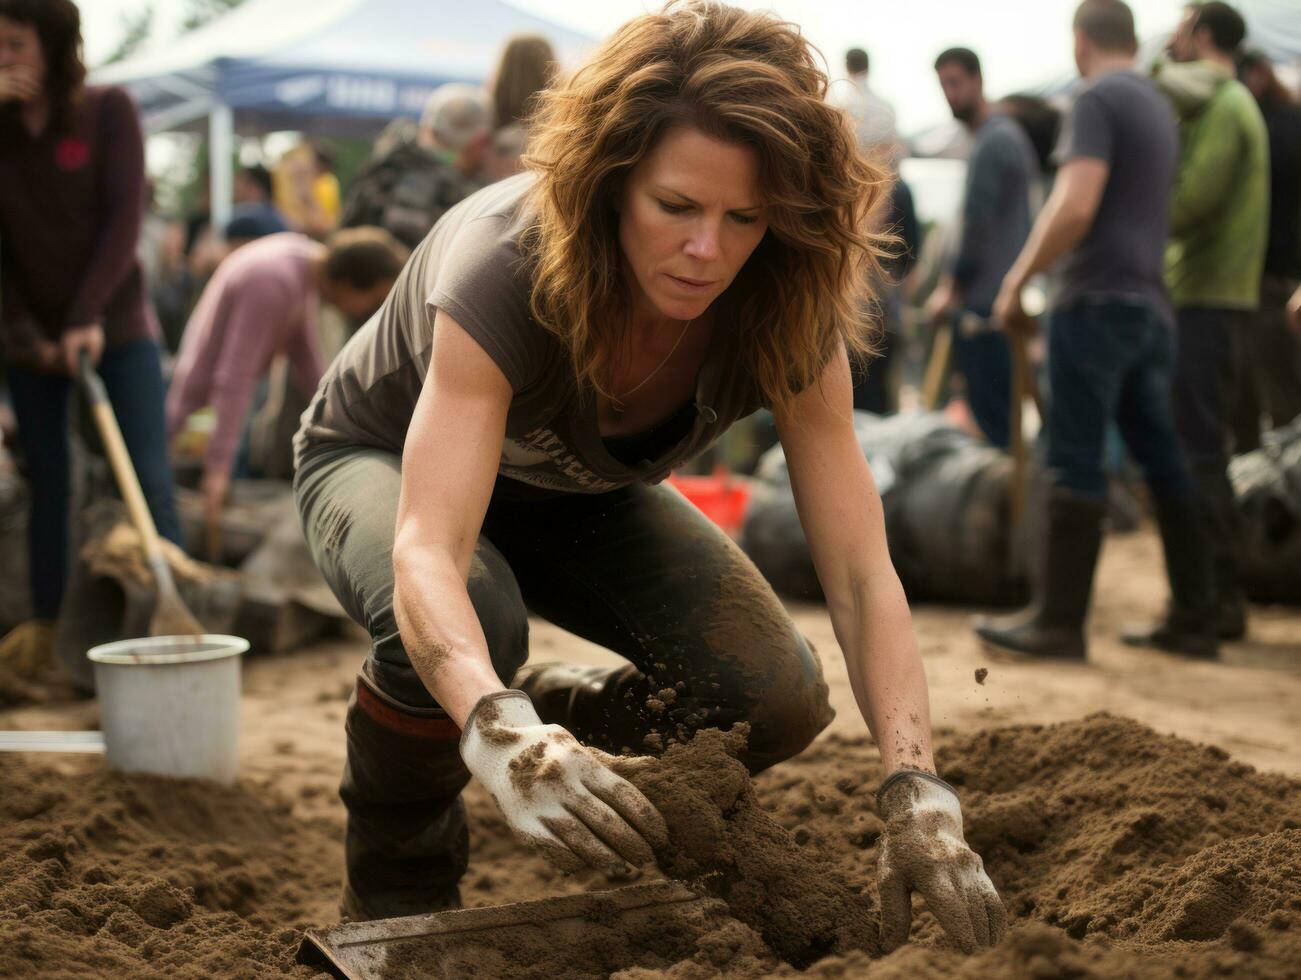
703, 244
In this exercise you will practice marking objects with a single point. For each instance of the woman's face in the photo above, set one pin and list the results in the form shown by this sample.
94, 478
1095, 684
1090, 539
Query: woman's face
21, 55
690, 216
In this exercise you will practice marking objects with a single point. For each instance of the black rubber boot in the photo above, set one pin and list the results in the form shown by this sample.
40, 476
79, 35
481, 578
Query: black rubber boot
1189, 627
604, 707
407, 845
1053, 626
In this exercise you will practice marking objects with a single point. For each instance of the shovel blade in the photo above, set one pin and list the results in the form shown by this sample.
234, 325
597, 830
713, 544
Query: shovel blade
488, 941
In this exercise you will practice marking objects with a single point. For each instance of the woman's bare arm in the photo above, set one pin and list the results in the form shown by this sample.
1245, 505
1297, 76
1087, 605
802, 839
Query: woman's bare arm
449, 465
840, 510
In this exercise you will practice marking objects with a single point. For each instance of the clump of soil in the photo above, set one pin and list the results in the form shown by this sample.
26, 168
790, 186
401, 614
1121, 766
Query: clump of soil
719, 833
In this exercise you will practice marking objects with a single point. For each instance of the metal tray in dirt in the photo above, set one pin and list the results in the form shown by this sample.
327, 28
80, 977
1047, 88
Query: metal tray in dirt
464, 942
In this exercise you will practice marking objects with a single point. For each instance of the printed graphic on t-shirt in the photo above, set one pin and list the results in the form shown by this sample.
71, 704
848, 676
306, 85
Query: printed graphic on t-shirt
541, 458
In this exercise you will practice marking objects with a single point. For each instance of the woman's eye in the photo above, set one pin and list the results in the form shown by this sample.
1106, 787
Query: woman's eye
672, 208
745, 219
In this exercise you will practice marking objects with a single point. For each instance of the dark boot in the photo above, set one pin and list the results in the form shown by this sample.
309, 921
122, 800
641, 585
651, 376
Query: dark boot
407, 845
1189, 626
616, 709
1053, 627
580, 700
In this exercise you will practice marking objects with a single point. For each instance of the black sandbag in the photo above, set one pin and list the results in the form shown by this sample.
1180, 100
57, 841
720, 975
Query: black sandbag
1267, 485
946, 500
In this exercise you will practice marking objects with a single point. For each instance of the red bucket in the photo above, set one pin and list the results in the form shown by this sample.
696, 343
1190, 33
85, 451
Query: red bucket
721, 497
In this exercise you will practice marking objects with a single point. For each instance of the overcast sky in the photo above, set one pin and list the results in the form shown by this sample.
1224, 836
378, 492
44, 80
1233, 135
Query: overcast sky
1021, 42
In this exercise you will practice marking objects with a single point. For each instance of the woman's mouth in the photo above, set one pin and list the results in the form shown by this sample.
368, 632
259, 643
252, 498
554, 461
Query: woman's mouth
691, 285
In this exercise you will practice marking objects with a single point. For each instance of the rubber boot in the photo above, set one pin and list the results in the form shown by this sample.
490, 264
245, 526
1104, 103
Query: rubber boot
407, 845
618, 709
576, 698
1053, 627
1189, 627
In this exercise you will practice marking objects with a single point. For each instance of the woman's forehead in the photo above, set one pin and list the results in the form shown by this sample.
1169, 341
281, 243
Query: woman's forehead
690, 162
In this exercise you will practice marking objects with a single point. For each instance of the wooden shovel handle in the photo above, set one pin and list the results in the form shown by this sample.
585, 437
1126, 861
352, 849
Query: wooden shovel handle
119, 459
937, 368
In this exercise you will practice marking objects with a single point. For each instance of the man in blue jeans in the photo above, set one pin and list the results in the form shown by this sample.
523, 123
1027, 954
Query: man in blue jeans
1110, 347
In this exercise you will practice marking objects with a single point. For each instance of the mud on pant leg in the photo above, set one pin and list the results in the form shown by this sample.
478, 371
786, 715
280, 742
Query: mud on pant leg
407, 844
642, 572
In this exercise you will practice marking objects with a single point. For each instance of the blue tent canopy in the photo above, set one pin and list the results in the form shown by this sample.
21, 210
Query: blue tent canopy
331, 66
325, 65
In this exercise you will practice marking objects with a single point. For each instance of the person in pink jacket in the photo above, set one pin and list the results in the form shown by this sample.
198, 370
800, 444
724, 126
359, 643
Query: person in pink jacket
261, 303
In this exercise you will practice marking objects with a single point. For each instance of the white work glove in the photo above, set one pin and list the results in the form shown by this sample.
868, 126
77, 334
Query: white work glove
923, 850
557, 794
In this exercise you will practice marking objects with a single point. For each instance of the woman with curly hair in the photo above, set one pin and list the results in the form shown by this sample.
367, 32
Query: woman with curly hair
689, 244
72, 194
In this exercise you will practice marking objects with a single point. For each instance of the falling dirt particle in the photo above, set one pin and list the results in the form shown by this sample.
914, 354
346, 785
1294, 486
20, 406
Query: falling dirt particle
668, 695
981, 674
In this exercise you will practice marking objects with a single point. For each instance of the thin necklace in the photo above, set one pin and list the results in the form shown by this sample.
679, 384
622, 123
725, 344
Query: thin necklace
617, 403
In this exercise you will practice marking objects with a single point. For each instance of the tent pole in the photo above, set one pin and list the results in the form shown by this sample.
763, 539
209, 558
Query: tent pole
221, 148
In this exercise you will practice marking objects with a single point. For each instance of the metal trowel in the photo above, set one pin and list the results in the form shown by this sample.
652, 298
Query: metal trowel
462, 942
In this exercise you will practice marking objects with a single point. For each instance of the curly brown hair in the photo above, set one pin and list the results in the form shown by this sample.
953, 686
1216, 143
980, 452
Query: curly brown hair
58, 26
740, 76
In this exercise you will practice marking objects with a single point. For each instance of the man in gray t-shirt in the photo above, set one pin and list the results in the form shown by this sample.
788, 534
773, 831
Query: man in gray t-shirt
999, 201
1110, 347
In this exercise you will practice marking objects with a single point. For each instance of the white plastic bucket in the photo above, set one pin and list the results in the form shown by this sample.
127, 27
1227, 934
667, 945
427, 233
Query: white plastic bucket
170, 704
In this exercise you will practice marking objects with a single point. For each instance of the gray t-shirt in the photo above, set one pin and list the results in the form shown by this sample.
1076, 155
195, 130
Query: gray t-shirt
472, 266
1121, 119
1002, 192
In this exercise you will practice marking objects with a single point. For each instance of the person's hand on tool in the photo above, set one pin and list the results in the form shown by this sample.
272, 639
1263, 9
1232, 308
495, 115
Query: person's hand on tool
923, 850
214, 487
941, 303
1294, 311
45, 356
555, 793
18, 83
75, 339
1008, 312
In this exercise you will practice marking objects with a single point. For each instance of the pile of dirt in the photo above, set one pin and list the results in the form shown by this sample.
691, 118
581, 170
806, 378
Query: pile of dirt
107, 875
1118, 852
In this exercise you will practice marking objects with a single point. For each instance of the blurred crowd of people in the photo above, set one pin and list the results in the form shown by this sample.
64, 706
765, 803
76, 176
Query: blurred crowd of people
179, 316
1165, 200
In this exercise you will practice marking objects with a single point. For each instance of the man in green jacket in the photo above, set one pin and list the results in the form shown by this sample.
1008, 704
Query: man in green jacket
1219, 222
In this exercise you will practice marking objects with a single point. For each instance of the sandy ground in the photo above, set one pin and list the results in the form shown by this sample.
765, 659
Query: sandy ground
1249, 704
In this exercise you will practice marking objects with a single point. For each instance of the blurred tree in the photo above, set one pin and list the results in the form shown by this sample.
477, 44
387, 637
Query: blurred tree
203, 11
136, 28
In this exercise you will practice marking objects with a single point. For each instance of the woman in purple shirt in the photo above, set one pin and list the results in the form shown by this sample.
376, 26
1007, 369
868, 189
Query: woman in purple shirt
71, 197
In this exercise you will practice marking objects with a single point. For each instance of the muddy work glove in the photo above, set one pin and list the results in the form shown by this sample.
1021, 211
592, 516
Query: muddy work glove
923, 850
555, 793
